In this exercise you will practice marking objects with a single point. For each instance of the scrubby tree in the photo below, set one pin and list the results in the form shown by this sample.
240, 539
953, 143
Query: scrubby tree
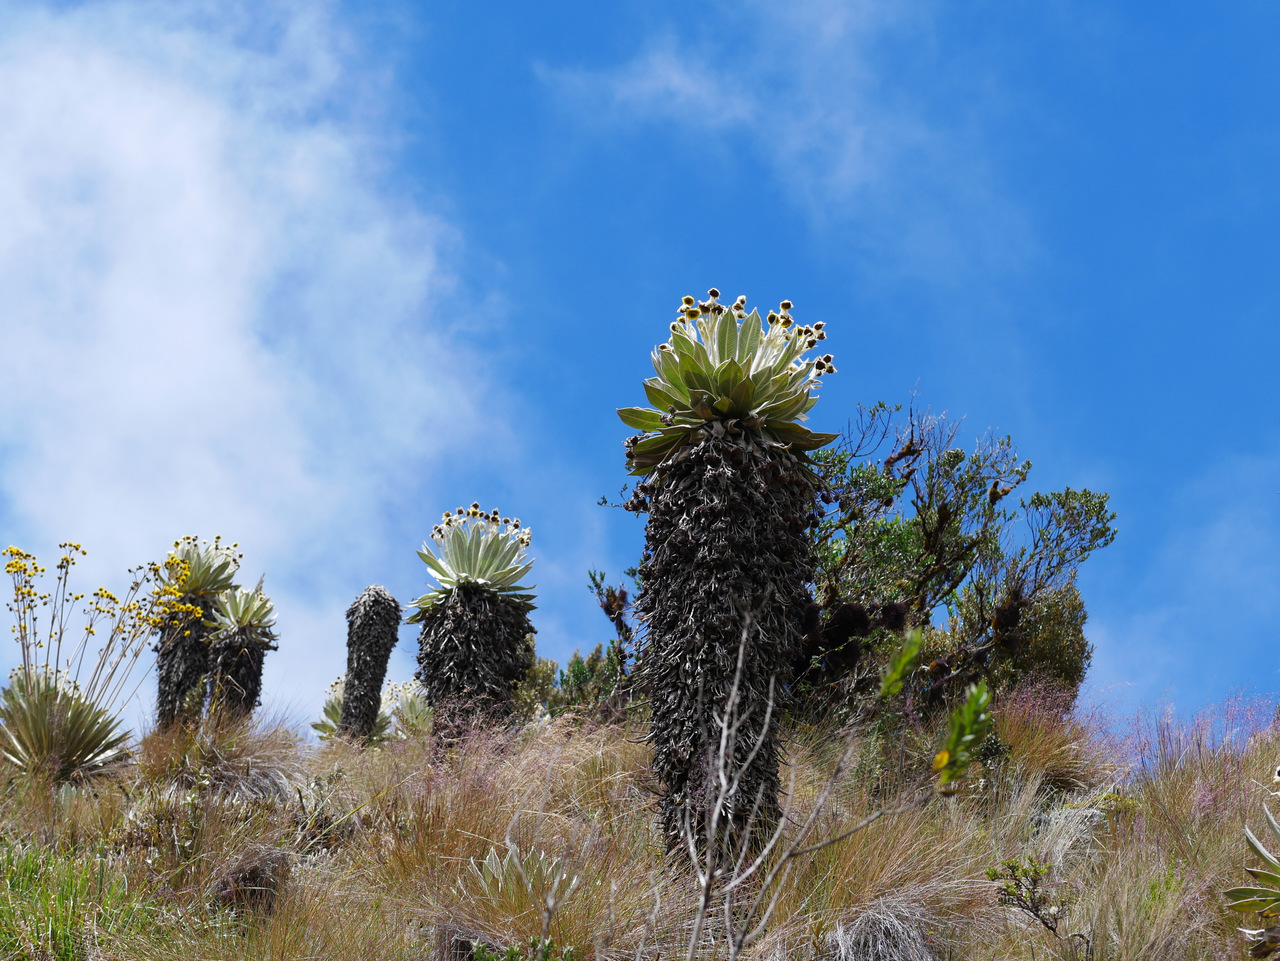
373, 621
244, 623
198, 574
731, 503
932, 526
476, 639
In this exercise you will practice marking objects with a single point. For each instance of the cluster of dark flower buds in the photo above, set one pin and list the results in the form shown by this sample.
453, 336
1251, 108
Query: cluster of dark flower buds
494, 521
691, 309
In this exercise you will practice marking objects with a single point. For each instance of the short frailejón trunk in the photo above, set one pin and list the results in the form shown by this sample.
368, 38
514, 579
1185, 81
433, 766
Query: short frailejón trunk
373, 622
182, 664
235, 674
473, 651
726, 567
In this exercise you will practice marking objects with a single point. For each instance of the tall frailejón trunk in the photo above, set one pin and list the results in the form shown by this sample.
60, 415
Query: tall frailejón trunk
182, 664
198, 574
724, 580
373, 622
472, 652
235, 675
237, 648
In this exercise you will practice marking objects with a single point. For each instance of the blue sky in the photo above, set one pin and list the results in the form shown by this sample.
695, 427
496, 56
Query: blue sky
306, 275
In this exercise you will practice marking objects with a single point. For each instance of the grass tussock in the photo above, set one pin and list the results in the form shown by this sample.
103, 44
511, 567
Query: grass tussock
242, 840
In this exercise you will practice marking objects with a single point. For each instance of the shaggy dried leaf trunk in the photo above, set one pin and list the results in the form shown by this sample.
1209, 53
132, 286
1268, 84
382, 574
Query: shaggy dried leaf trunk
473, 651
182, 662
373, 622
727, 563
235, 674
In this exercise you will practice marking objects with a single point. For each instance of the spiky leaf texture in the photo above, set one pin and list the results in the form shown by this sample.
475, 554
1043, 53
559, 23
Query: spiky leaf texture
476, 547
331, 717
726, 562
48, 728
473, 651
373, 620
719, 366
1263, 896
182, 652
244, 623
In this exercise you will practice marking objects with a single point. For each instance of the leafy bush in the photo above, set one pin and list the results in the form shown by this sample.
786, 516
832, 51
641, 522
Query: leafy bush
929, 526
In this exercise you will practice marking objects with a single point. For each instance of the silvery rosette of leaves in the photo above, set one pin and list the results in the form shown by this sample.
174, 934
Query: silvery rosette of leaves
725, 365
472, 546
203, 570
249, 615
1263, 896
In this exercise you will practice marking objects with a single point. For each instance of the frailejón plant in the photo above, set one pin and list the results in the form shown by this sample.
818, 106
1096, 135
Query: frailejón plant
731, 500
372, 622
1263, 897
198, 573
474, 646
721, 367
244, 630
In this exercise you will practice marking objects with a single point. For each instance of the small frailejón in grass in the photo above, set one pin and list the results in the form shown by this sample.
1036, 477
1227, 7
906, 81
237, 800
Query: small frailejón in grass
373, 620
1263, 896
199, 573
731, 500
244, 630
476, 640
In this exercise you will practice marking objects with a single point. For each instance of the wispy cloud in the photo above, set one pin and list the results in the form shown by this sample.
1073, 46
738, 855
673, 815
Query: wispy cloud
805, 84
212, 317
1170, 635
659, 82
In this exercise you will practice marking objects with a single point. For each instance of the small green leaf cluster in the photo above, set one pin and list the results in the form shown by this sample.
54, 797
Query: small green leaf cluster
902, 663
1020, 884
721, 366
203, 570
199, 576
538, 950
970, 723
476, 547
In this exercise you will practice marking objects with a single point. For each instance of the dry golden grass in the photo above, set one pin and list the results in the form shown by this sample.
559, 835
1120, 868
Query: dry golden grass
245, 842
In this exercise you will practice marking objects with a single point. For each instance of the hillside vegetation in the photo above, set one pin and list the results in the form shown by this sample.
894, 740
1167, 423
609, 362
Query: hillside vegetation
245, 842
837, 720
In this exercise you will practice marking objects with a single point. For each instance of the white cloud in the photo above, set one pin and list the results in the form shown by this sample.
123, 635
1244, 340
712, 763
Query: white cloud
212, 319
856, 146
